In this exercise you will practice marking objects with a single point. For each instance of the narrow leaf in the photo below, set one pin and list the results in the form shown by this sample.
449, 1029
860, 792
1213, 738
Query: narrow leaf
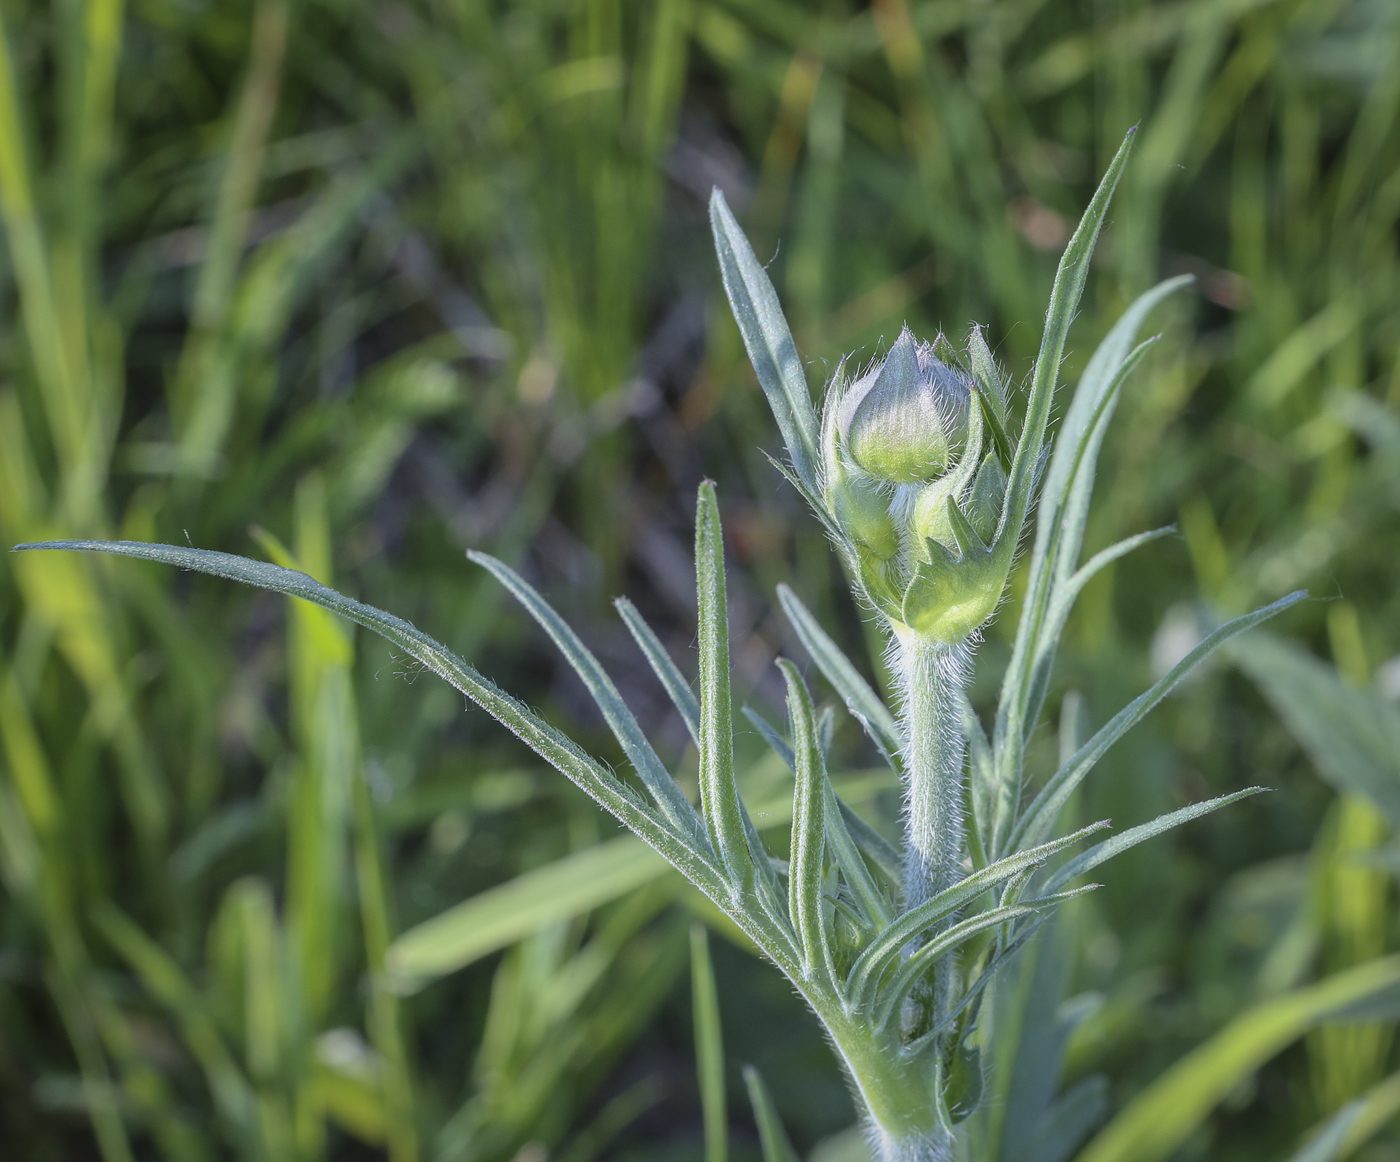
1040, 816
864, 704
887, 946
669, 674
555, 748
1102, 852
1064, 301
807, 857
658, 781
767, 339
719, 793
913, 968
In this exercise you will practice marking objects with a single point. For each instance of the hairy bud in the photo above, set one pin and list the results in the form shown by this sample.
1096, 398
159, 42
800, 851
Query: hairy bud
906, 418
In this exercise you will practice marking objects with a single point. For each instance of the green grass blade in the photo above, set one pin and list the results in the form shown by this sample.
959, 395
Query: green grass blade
807, 856
169, 985
864, 704
719, 792
555, 748
234, 204
886, 947
709, 1047
669, 674
1041, 814
767, 339
657, 779
1168, 1111
772, 1137
500, 916
1102, 852
385, 1020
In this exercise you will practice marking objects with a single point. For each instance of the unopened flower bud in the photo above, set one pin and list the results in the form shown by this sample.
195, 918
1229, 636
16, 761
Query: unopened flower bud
904, 421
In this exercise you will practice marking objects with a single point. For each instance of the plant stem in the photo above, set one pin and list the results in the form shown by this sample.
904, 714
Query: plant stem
932, 677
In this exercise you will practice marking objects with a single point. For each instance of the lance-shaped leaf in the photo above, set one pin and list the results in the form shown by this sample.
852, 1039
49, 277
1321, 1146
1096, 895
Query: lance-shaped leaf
623, 724
1064, 301
806, 860
1102, 852
1063, 507
851, 836
767, 339
864, 704
1041, 814
719, 792
556, 748
912, 970
886, 947
669, 674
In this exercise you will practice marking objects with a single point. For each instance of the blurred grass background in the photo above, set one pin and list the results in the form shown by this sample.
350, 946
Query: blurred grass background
359, 285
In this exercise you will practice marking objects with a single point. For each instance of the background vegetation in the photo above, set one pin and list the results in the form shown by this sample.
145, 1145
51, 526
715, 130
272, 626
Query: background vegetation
360, 285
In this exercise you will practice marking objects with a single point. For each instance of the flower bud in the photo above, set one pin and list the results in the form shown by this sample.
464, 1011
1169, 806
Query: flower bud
905, 420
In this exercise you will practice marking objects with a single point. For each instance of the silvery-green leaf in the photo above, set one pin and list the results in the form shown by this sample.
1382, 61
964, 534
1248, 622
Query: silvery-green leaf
557, 749
865, 705
767, 339
623, 724
1102, 852
677, 688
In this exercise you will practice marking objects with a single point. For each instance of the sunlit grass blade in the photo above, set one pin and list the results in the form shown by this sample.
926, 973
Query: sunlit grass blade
1163, 1115
807, 856
719, 792
1040, 815
767, 339
677, 688
233, 207
886, 947
550, 744
1102, 852
620, 719
499, 916
709, 1047
772, 1136
864, 704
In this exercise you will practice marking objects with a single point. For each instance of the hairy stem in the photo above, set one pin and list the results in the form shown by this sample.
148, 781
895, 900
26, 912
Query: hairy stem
936, 1146
932, 679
